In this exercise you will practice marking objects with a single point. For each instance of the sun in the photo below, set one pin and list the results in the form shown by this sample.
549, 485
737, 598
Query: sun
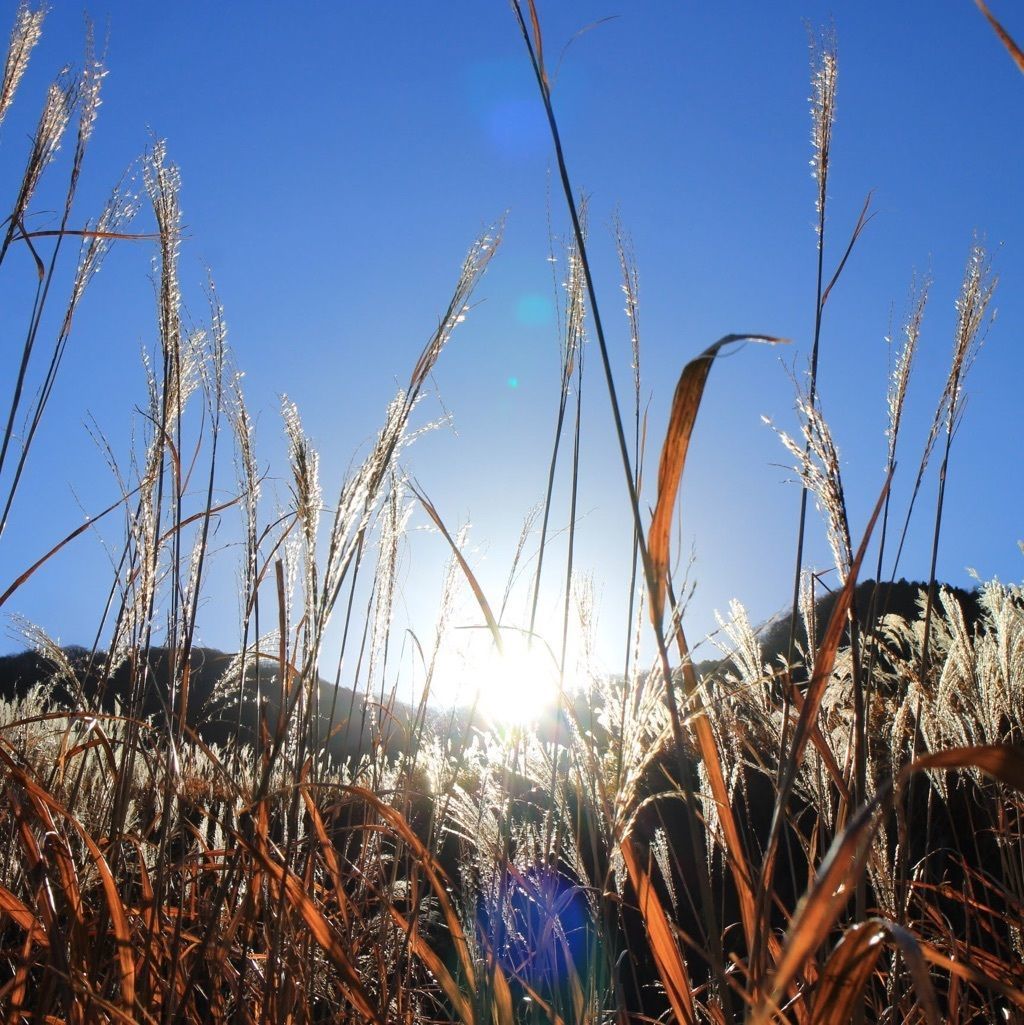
517, 685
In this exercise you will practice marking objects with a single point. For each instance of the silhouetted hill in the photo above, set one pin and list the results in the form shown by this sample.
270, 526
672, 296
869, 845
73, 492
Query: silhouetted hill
221, 705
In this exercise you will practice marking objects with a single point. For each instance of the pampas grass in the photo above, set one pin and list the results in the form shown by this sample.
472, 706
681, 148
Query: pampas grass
835, 833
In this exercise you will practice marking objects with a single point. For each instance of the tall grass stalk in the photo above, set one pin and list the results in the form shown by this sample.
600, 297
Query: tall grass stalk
534, 49
972, 305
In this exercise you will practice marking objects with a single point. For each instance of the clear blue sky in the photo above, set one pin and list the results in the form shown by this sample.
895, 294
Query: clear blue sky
338, 158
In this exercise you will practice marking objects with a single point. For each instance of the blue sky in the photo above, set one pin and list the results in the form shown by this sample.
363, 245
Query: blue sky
339, 158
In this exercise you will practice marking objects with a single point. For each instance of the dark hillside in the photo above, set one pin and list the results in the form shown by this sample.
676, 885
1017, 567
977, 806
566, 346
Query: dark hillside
222, 707
874, 600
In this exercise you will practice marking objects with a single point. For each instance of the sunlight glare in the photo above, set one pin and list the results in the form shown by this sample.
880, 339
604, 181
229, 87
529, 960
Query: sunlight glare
514, 687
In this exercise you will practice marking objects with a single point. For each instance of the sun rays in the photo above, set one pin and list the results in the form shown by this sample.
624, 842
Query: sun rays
516, 686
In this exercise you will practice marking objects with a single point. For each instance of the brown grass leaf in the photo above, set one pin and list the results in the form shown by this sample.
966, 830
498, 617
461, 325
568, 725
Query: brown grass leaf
850, 967
434, 873
685, 404
330, 856
90, 522
818, 910
960, 970
320, 930
502, 996
823, 663
829, 647
671, 967
118, 919
1004, 762
538, 44
10, 905
1012, 48
426, 953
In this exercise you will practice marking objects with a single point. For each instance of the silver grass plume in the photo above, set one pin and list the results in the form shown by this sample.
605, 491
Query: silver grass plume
61, 98
473, 267
445, 608
661, 850
93, 73
212, 367
631, 291
360, 492
809, 615
27, 30
824, 69
394, 519
305, 486
818, 466
63, 670
163, 186
119, 211
900, 376
976, 292
249, 485
576, 306
169, 387
524, 536
972, 304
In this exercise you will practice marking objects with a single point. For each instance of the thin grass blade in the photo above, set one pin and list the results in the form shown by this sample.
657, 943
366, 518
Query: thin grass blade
1012, 48
848, 971
478, 593
847, 858
675, 976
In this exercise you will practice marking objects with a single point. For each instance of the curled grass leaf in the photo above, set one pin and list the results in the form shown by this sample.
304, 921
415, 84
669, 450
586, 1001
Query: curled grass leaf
685, 404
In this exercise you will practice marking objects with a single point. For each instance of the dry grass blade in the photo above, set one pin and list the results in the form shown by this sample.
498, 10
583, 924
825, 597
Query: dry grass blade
22, 915
1003, 762
858, 228
846, 975
118, 918
818, 910
1012, 48
433, 872
481, 598
25, 236
423, 950
825, 660
58, 854
971, 974
538, 44
319, 929
823, 663
545, 1008
712, 762
826, 754
847, 972
329, 855
62, 543
671, 967
502, 1012
685, 404
847, 858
